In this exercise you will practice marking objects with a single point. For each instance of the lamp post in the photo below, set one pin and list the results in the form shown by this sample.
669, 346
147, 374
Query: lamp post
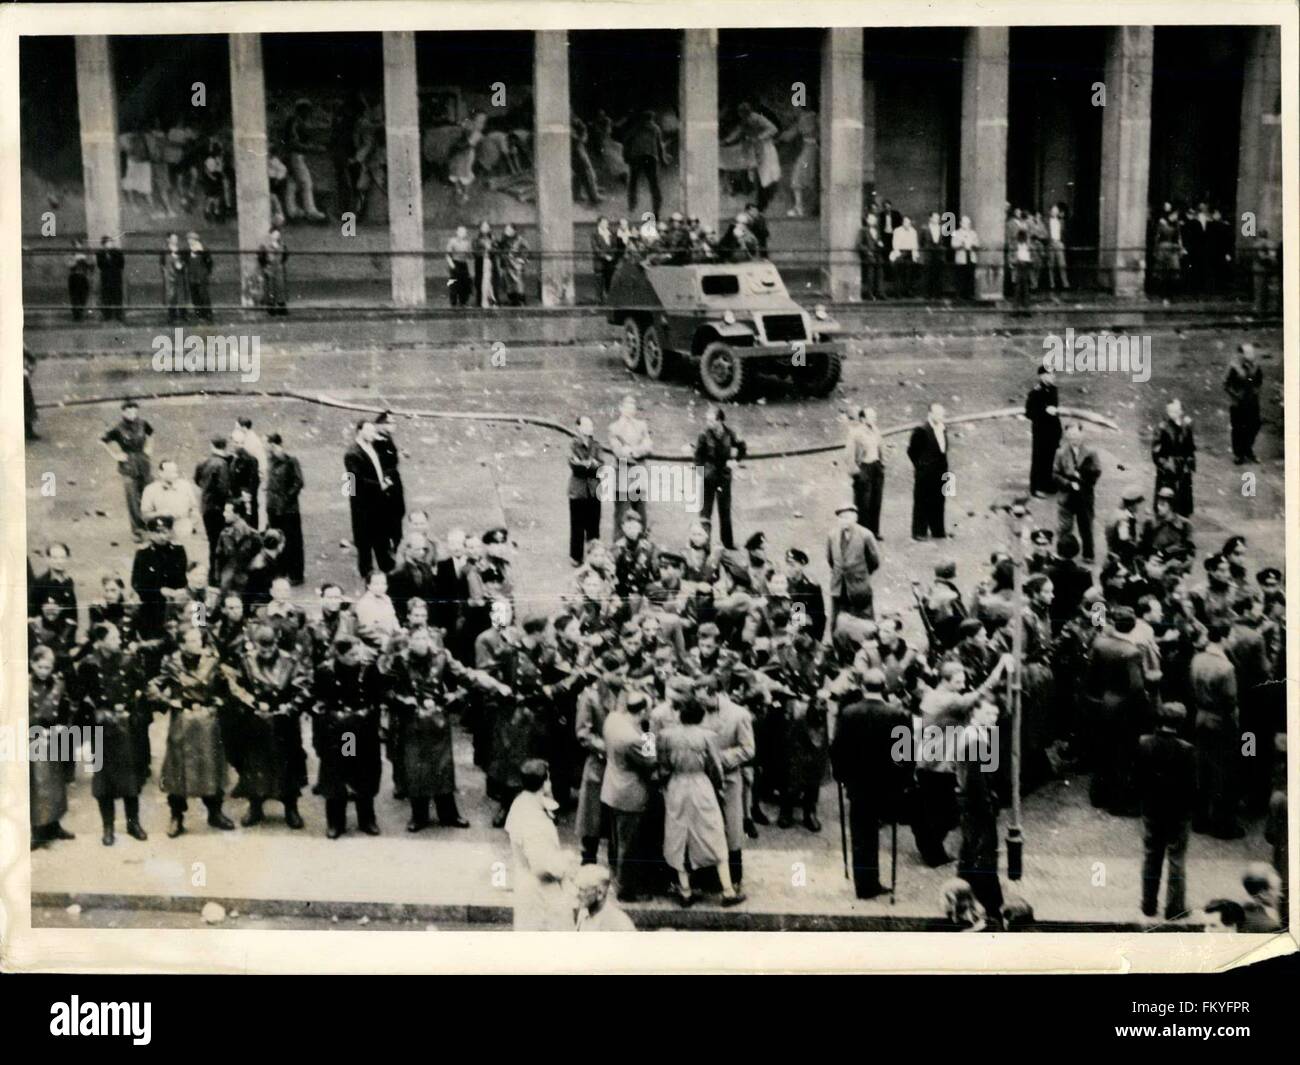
1016, 513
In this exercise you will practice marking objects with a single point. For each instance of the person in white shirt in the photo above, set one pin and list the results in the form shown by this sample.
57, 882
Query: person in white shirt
866, 468
540, 867
630, 441
1057, 276
903, 256
965, 243
172, 496
376, 617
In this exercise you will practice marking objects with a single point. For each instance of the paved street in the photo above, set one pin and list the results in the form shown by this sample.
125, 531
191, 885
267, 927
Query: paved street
479, 474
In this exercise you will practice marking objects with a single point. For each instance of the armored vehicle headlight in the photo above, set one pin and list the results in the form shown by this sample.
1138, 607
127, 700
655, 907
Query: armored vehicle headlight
820, 312
729, 317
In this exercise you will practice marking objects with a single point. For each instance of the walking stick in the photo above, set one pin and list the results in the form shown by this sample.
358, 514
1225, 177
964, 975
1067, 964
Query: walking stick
844, 831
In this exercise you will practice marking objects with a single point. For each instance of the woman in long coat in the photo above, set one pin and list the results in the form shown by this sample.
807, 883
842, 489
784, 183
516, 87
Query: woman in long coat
511, 259
192, 687
694, 835
274, 688
111, 686
48, 712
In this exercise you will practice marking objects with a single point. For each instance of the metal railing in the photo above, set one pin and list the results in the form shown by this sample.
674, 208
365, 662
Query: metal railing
361, 279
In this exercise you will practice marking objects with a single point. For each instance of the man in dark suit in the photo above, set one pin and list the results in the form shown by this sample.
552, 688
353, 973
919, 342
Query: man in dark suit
451, 593
928, 450
1115, 700
1166, 785
863, 759
934, 255
212, 476
1173, 450
1076, 471
717, 452
1243, 384
1213, 681
853, 556
370, 495
871, 253
284, 483
1045, 421
386, 448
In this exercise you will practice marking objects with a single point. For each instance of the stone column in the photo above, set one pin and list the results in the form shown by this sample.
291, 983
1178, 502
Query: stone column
841, 161
252, 188
405, 195
97, 108
1259, 155
1126, 157
554, 165
698, 107
984, 95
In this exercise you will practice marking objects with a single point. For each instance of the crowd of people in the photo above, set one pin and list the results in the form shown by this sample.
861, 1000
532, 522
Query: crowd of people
676, 694
1190, 251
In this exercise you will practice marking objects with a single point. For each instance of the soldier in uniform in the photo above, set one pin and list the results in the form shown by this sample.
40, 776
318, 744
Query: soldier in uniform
192, 688
48, 712
158, 576
424, 684
806, 598
347, 693
1123, 533
1173, 450
635, 558
1167, 531
274, 688
111, 687
519, 713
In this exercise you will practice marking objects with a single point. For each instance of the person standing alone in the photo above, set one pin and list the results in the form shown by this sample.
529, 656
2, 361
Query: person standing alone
928, 450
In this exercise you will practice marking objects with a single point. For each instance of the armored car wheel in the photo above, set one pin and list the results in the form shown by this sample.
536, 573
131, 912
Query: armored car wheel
653, 354
632, 357
822, 374
724, 374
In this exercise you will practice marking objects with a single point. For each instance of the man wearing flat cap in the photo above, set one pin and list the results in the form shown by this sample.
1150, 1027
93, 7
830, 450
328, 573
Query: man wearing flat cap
853, 556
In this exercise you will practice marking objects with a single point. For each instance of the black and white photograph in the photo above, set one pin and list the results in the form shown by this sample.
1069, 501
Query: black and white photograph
646, 468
